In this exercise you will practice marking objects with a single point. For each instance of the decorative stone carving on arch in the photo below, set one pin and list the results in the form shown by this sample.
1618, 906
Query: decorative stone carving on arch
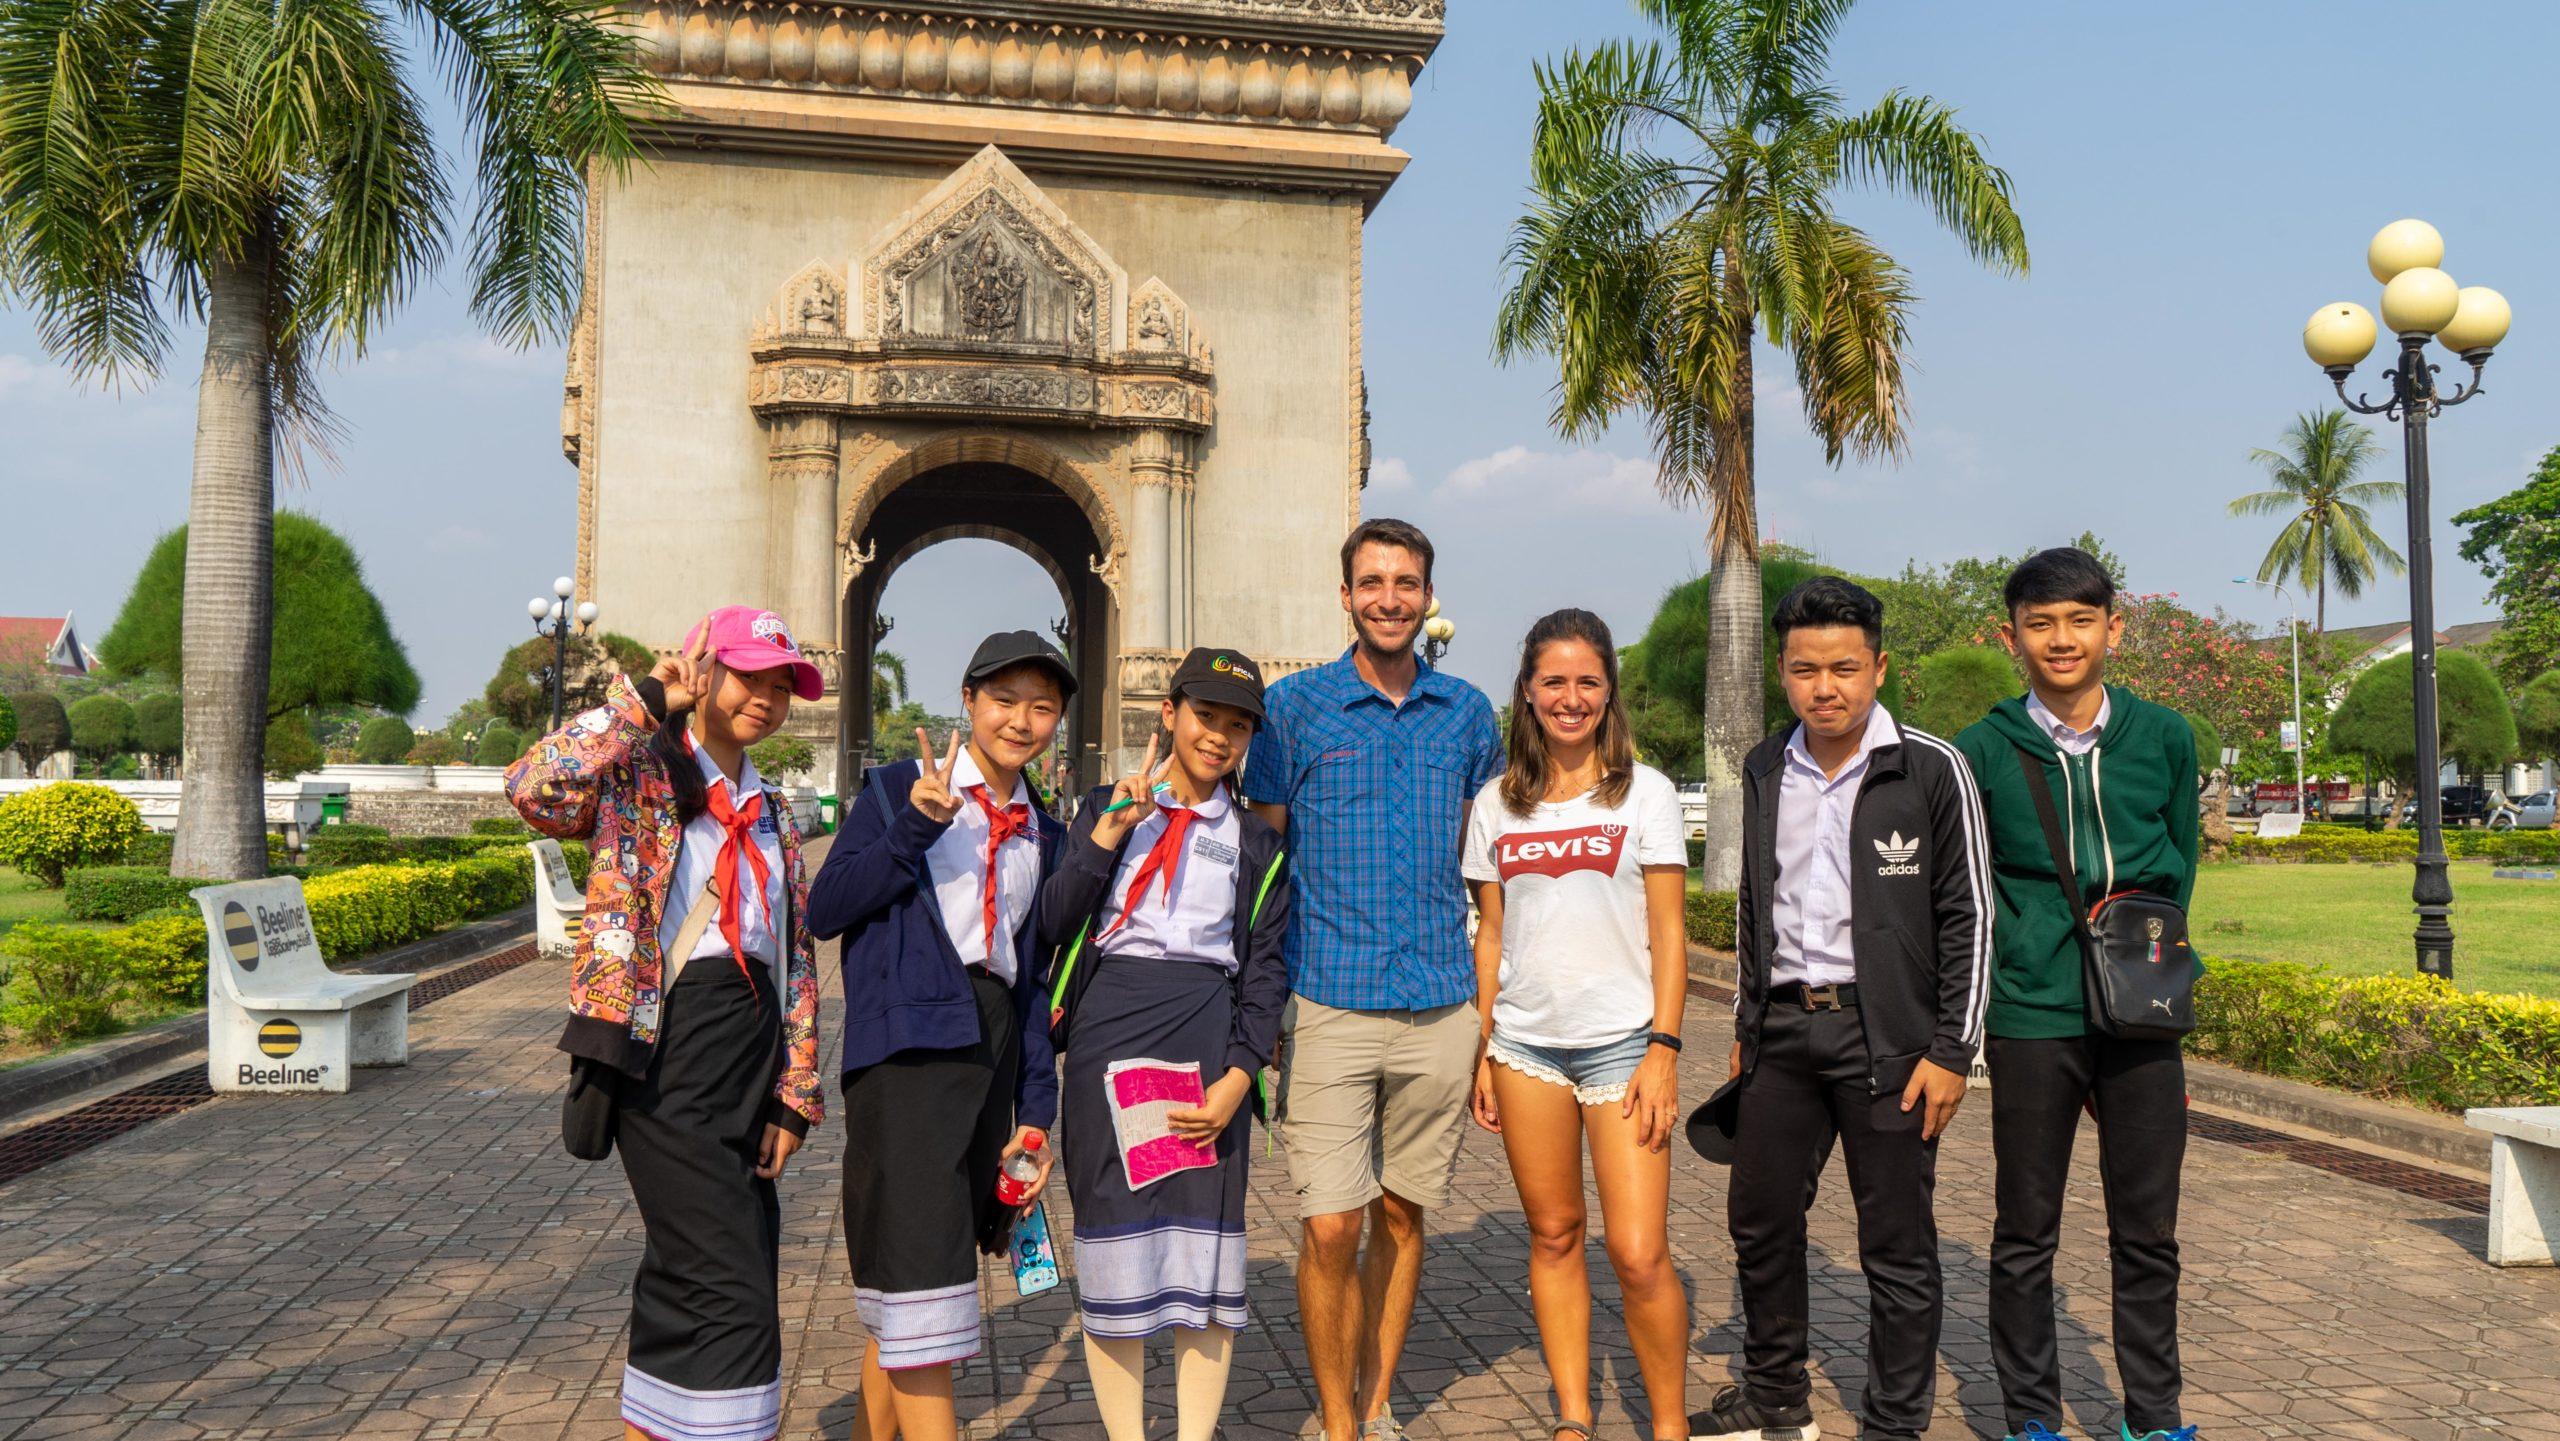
813, 303
894, 466
986, 302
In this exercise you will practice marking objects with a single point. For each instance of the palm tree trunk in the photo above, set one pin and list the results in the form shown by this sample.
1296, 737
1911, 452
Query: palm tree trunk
229, 593
2320, 607
1732, 704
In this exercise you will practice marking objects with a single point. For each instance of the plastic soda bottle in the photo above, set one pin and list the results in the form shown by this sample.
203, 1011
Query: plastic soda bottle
1014, 1178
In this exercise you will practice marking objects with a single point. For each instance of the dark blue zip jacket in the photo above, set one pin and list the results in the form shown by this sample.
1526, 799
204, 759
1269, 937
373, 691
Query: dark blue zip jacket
905, 988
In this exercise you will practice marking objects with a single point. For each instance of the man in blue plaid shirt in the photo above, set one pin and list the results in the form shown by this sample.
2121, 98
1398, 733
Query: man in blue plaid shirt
1367, 764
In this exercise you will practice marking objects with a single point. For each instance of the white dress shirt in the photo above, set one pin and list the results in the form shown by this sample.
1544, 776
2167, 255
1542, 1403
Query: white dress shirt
698, 852
957, 863
2072, 742
1196, 920
1810, 905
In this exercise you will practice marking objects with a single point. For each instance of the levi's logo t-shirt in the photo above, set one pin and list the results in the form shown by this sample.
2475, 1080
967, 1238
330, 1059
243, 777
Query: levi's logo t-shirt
1577, 967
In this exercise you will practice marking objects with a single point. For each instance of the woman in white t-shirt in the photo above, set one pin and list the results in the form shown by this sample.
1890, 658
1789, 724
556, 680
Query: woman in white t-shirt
1581, 873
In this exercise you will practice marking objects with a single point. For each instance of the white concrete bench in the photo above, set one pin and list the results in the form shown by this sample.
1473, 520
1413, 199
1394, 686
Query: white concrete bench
2524, 1182
558, 909
276, 1017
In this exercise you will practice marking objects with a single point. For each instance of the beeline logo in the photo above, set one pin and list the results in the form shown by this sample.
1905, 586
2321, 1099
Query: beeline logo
1897, 854
1560, 853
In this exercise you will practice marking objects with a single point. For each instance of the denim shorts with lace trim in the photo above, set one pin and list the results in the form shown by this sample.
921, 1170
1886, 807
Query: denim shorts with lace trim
1597, 1074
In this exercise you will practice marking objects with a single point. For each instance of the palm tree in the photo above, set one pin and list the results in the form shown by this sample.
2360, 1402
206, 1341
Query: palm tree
888, 685
1683, 192
2329, 539
266, 167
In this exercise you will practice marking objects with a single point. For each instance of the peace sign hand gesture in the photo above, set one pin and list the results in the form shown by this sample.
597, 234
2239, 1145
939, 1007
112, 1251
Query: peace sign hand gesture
932, 793
1132, 801
686, 675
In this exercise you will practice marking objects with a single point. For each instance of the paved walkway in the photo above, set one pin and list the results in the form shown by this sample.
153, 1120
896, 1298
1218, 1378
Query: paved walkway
419, 1260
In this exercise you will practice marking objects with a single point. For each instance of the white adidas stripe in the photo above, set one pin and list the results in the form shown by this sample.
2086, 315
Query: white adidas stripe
1977, 849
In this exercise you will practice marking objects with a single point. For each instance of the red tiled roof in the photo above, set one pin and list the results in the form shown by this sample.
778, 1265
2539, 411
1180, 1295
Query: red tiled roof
28, 639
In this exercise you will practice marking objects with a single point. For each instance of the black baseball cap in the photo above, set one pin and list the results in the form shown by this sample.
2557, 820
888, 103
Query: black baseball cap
1711, 1125
1221, 677
1009, 648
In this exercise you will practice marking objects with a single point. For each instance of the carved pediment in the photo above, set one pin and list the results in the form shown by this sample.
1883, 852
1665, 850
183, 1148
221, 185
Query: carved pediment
984, 301
988, 262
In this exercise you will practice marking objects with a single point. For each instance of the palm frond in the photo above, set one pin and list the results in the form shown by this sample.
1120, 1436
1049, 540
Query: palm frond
1913, 144
1848, 350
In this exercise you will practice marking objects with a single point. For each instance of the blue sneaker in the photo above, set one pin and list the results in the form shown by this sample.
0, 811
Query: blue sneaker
2183, 1433
2036, 1432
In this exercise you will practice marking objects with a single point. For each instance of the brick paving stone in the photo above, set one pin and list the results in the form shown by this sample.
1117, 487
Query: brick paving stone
417, 1261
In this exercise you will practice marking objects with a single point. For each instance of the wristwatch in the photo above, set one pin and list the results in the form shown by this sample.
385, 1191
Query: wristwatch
1665, 1038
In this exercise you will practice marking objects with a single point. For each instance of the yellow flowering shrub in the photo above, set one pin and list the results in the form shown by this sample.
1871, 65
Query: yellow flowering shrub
2412, 1037
50, 829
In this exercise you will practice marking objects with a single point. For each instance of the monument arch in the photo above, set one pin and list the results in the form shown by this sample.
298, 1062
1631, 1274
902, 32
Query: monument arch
897, 276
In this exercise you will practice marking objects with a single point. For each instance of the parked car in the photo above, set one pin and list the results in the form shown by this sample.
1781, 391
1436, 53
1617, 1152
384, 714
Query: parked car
2533, 813
2462, 806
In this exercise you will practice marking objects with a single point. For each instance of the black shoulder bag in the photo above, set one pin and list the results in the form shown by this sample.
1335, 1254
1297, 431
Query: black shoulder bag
2137, 969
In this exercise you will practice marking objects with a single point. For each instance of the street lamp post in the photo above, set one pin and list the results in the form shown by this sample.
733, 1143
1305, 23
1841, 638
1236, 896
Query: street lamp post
551, 617
2419, 302
2293, 630
1437, 631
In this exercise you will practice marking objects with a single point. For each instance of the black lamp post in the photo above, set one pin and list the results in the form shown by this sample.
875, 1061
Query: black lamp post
551, 617
1437, 631
2420, 303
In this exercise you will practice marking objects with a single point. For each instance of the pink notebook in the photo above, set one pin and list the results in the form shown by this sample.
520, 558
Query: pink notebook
1141, 1093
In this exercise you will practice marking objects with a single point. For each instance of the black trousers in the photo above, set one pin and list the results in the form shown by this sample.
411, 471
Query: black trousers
2139, 1089
1810, 1085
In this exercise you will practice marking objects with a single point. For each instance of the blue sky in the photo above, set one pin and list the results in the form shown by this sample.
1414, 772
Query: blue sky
2195, 178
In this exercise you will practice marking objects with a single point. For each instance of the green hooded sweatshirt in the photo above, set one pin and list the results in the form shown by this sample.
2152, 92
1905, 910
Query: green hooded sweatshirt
2128, 809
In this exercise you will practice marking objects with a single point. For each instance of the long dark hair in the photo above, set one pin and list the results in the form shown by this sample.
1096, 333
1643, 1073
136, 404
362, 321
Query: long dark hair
1524, 781
684, 773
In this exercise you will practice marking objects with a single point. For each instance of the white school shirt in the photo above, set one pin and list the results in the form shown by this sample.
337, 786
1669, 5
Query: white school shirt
1200, 922
957, 864
698, 852
2071, 742
1577, 956
1810, 903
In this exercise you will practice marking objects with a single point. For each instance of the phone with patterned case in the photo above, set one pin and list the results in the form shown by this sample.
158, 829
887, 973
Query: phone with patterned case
1035, 1257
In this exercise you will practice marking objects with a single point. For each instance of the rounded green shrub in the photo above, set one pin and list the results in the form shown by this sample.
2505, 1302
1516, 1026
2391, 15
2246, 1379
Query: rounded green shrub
50, 829
386, 740
499, 746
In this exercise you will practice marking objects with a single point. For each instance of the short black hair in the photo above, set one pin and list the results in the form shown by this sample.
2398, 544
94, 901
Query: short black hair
2064, 574
1830, 600
1404, 535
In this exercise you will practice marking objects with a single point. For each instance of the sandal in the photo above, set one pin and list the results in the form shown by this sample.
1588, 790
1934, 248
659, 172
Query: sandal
1560, 1426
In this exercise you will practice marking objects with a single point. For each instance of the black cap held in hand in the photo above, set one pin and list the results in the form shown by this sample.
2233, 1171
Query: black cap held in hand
1009, 648
1220, 677
1711, 1124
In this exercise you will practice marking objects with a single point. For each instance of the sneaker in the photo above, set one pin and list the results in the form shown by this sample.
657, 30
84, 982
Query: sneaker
2183, 1433
1731, 1417
2035, 1431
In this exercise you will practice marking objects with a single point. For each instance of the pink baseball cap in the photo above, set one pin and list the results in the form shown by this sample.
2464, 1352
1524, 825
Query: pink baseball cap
744, 638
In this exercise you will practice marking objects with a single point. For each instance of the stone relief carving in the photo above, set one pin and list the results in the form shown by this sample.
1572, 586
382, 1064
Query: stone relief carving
1011, 389
990, 271
989, 285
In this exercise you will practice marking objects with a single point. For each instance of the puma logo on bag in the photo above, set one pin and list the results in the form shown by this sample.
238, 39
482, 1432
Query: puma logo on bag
1897, 854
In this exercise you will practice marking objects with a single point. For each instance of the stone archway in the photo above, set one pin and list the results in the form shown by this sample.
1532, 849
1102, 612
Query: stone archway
930, 501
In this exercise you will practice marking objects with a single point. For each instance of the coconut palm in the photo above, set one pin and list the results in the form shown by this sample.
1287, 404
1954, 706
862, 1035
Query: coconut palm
1682, 207
888, 683
266, 167
2329, 538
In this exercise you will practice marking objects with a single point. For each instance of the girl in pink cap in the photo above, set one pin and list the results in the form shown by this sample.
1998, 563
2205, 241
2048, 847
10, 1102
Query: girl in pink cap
693, 1006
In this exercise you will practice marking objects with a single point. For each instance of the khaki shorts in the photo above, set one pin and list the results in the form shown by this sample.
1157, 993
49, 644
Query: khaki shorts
1374, 1101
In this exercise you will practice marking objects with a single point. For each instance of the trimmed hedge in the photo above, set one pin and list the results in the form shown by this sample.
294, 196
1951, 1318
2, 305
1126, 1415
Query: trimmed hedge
513, 826
2342, 844
2410, 1037
354, 912
121, 893
1711, 919
338, 847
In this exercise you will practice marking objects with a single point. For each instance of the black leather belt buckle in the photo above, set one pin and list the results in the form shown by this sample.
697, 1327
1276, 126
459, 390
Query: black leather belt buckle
1822, 998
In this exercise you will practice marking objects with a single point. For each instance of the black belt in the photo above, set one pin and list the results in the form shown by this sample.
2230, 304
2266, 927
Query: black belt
982, 973
1842, 996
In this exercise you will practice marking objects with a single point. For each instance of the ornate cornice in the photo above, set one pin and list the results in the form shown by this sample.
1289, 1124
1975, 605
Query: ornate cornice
1139, 58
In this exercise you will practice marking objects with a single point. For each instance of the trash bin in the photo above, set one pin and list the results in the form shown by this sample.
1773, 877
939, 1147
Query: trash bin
333, 807
826, 815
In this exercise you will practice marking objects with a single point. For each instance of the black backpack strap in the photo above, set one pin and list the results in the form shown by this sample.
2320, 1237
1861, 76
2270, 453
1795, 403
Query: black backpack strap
2065, 874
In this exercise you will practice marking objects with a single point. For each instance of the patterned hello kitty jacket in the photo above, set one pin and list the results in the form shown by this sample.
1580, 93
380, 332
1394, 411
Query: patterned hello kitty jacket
597, 780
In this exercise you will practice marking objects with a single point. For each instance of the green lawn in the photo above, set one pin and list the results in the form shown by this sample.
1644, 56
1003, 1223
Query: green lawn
21, 899
2355, 920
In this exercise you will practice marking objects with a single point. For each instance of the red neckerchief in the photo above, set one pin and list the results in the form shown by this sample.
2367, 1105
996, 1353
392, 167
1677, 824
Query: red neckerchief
1002, 825
1161, 859
737, 826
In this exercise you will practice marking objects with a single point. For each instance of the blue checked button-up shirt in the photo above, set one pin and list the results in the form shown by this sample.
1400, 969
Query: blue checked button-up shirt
1377, 796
